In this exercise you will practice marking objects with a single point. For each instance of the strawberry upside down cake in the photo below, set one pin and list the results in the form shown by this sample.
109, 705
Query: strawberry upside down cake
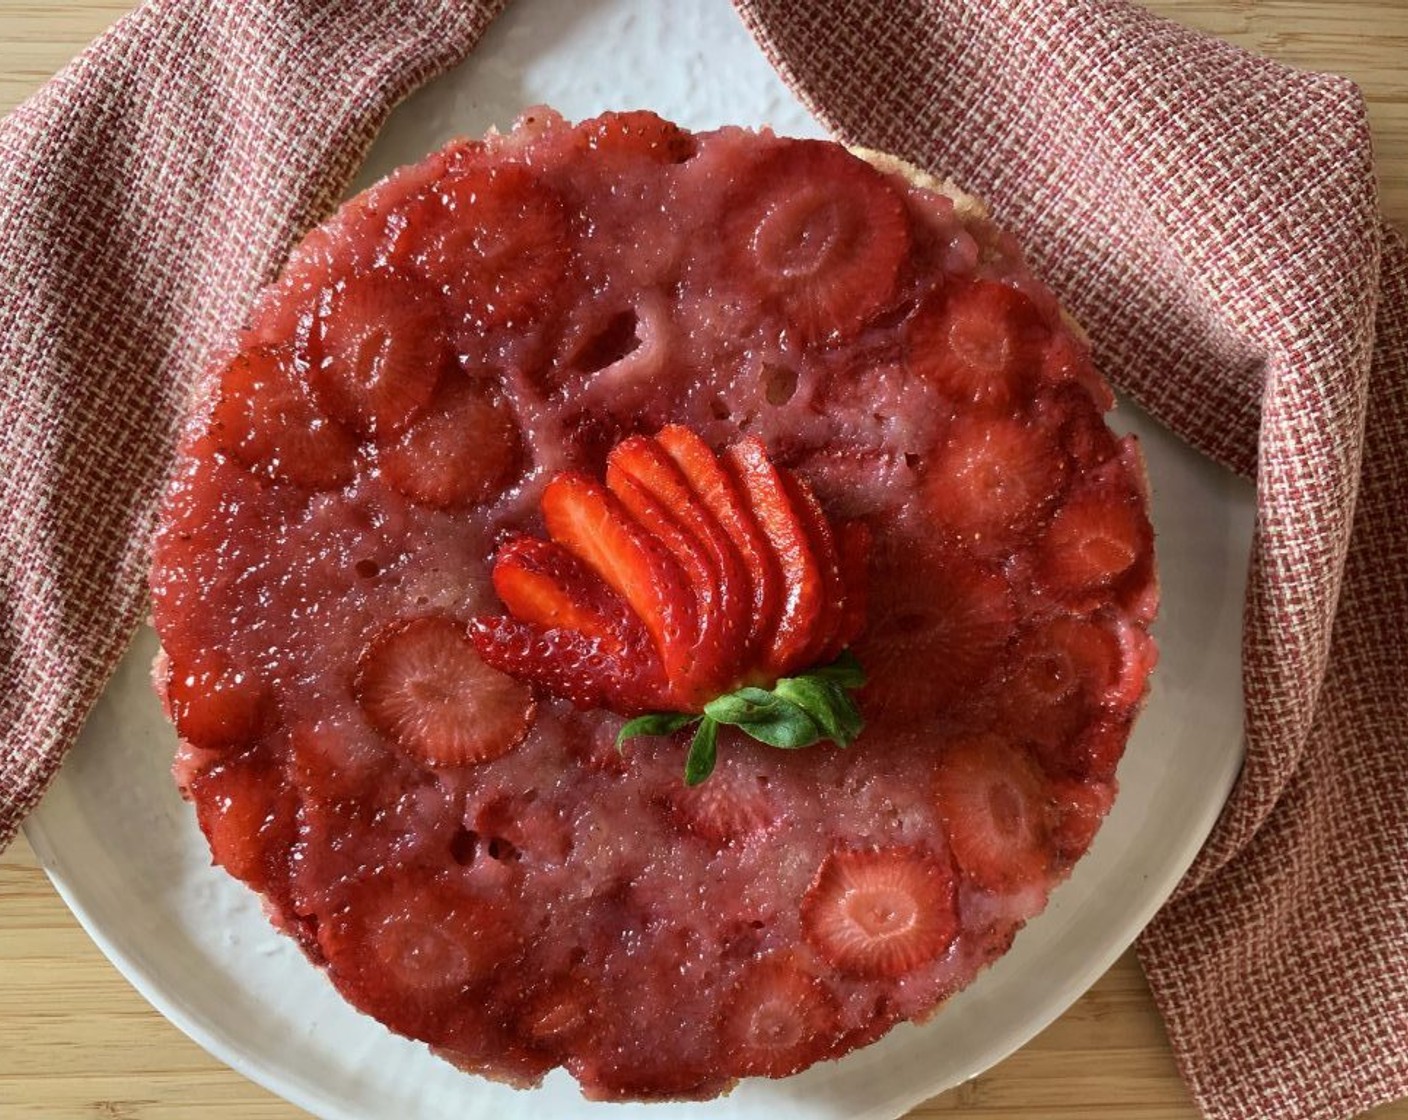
665, 605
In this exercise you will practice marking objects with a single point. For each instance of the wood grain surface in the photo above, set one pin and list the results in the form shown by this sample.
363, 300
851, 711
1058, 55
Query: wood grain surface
76, 1041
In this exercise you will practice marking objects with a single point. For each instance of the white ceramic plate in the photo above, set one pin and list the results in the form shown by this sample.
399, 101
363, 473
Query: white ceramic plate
125, 853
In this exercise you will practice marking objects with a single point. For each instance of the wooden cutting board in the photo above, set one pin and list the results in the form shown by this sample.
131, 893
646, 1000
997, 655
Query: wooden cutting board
76, 1041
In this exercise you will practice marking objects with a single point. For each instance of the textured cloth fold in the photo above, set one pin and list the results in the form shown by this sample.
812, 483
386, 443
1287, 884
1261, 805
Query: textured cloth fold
1210, 216
148, 190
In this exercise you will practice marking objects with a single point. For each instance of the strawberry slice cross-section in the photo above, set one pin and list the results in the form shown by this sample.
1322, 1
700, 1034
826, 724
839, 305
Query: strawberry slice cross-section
687, 578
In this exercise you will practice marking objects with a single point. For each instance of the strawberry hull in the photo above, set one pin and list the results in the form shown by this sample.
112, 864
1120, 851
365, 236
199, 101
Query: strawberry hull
719, 406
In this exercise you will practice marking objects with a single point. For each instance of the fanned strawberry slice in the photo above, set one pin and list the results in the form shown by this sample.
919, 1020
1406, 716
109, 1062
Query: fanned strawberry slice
802, 582
991, 479
589, 521
645, 478
981, 345
779, 1020
541, 582
496, 242
722, 497
881, 913
824, 233
463, 449
560, 1013
828, 562
994, 803
422, 685
215, 703
266, 419
377, 350
586, 671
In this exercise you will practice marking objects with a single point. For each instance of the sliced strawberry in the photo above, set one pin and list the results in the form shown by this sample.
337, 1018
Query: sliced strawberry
1079, 808
1098, 539
1084, 436
248, 814
938, 622
377, 350
991, 479
463, 449
803, 587
422, 685
1062, 670
265, 418
1066, 361
824, 233
1139, 654
332, 762
541, 582
731, 807
828, 561
638, 133
513, 827
639, 467
1088, 753
409, 942
559, 1014
590, 522
583, 670
853, 542
779, 1019
881, 913
216, 703
722, 497
993, 801
495, 239
981, 344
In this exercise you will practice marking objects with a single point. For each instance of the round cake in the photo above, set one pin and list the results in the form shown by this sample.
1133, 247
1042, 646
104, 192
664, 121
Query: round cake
666, 605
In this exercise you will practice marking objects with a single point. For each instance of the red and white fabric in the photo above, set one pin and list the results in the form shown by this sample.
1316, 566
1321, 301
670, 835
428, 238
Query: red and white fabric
1210, 216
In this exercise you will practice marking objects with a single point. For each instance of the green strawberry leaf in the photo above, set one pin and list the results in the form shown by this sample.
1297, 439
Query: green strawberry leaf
699, 763
845, 671
828, 704
656, 723
767, 717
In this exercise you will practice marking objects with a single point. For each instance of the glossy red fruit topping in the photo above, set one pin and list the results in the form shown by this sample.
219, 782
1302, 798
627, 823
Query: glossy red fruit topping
994, 803
463, 449
681, 572
1062, 670
265, 418
247, 811
732, 806
981, 344
409, 938
422, 685
377, 351
1079, 808
214, 702
495, 242
719, 492
939, 621
824, 234
803, 590
651, 486
881, 913
332, 762
779, 1019
1099, 537
639, 133
991, 480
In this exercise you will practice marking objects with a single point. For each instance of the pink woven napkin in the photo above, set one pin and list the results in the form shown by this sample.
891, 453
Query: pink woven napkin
1208, 215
